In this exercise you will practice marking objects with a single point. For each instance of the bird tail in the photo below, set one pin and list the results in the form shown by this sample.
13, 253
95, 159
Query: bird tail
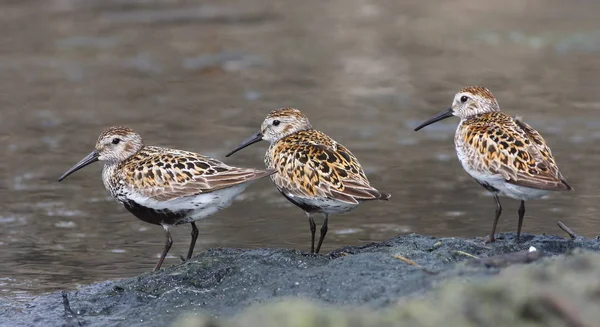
385, 196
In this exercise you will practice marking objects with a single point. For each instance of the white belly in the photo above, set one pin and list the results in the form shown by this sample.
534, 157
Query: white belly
199, 206
521, 192
499, 183
322, 205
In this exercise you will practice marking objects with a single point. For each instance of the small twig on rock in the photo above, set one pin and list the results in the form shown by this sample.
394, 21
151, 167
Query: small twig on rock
69, 313
567, 230
407, 260
562, 309
504, 260
412, 263
466, 254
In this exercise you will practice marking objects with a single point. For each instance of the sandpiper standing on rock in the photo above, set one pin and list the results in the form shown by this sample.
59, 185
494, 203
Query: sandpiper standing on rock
503, 154
162, 186
314, 172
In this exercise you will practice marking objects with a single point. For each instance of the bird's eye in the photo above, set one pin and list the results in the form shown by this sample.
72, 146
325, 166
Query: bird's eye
276, 123
464, 98
116, 140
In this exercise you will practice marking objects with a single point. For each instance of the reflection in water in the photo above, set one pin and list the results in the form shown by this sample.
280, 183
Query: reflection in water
202, 76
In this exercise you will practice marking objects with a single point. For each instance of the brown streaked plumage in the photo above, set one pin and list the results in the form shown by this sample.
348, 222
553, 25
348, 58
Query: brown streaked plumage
311, 164
480, 92
166, 174
497, 143
163, 186
503, 154
314, 172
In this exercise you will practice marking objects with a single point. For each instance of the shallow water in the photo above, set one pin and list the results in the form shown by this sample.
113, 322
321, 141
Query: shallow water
201, 76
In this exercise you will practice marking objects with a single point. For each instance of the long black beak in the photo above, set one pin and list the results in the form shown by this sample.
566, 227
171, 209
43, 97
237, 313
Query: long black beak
256, 137
90, 158
442, 115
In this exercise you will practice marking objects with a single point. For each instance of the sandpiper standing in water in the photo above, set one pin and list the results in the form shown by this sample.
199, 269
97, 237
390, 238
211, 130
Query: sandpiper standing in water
163, 186
314, 172
503, 154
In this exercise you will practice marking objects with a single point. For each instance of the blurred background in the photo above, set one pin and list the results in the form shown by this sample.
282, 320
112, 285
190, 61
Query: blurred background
202, 75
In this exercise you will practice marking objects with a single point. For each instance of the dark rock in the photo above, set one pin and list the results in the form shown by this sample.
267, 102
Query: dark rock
555, 291
223, 282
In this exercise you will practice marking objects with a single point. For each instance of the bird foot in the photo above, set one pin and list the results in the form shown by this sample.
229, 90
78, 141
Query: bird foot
490, 239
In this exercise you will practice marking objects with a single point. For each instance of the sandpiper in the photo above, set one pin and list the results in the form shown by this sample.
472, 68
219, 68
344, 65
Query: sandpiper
503, 154
163, 186
314, 172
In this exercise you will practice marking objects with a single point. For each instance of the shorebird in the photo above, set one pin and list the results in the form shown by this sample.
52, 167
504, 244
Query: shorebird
163, 186
314, 172
503, 154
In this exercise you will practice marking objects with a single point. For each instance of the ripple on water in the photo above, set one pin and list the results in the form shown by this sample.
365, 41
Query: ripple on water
93, 42
455, 213
252, 95
575, 42
144, 63
406, 141
226, 60
228, 113
107, 198
347, 231
443, 157
54, 208
65, 224
7, 220
51, 142
578, 139
20, 182
65, 213
389, 228
199, 14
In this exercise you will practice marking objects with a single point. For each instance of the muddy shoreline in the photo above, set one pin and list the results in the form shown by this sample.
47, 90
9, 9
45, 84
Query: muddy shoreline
224, 282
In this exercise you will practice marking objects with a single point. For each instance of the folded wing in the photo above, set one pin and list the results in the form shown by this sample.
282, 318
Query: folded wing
322, 169
167, 176
513, 150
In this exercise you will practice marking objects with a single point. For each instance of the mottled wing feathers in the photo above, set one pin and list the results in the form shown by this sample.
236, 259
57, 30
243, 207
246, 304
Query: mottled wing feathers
543, 156
498, 144
166, 174
310, 164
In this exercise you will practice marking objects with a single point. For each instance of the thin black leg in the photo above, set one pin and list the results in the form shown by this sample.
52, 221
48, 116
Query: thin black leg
323, 232
521, 215
168, 244
193, 243
313, 230
498, 212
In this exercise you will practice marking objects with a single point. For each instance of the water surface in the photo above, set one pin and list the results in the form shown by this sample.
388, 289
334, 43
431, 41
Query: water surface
201, 76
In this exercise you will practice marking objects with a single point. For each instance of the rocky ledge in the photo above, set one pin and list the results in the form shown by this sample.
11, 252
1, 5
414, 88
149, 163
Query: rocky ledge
411, 280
